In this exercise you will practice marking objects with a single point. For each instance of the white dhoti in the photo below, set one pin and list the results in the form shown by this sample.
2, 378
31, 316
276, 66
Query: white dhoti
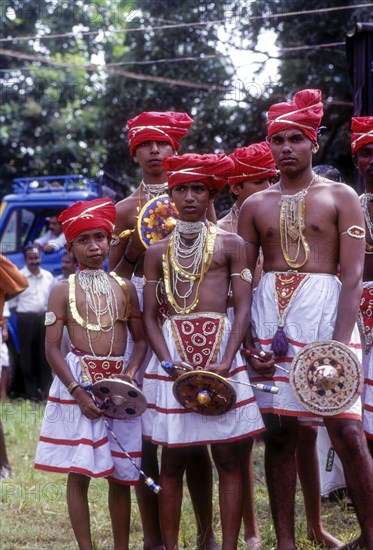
166, 421
71, 442
310, 318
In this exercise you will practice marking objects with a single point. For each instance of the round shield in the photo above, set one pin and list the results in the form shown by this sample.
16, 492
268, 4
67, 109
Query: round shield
123, 398
204, 392
156, 220
326, 377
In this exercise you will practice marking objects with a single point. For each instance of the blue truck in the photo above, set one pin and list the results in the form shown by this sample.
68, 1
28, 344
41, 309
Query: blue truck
23, 218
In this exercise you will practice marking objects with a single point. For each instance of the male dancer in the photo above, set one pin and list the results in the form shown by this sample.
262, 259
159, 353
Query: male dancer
254, 168
362, 150
309, 230
154, 136
196, 260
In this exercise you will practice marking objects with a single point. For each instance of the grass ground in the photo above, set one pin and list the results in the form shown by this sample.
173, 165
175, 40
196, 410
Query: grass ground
33, 508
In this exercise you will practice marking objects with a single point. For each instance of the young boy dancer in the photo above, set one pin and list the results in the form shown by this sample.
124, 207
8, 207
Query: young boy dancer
196, 264
96, 307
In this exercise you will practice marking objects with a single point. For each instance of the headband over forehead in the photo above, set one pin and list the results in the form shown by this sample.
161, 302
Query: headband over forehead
169, 126
252, 163
85, 215
362, 132
304, 112
212, 170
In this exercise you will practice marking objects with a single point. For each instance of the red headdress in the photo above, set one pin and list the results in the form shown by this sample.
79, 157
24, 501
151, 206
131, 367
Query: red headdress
252, 163
212, 170
153, 126
305, 112
86, 215
362, 132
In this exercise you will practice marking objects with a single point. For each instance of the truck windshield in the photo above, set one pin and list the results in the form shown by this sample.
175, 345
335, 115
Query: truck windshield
17, 230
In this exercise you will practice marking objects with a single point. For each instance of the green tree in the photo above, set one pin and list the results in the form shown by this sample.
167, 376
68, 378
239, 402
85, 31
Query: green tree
319, 66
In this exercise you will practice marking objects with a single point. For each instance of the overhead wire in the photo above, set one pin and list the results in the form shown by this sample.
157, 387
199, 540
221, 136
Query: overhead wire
188, 25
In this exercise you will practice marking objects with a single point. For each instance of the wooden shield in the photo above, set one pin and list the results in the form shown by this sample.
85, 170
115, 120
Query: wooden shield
326, 377
204, 392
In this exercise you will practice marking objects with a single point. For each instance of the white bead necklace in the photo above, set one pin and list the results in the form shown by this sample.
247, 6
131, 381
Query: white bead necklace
364, 199
100, 300
184, 251
153, 190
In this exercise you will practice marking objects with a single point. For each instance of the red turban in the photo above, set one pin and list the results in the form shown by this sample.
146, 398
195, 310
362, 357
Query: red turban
212, 170
305, 112
362, 132
252, 163
86, 215
154, 126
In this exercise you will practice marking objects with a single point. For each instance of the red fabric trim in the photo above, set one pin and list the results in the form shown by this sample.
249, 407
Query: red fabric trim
208, 442
133, 454
303, 414
368, 408
62, 401
368, 382
238, 405
73, 471
74, 442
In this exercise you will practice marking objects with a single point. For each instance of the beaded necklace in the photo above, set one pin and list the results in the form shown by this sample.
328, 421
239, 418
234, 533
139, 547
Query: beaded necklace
198, 252
364, 199
235, 214
154, 189
100, 299
292, 223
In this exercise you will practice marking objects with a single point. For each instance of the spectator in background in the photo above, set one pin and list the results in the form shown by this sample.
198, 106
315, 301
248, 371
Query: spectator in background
328, 172
30, 307
53, 239
69, 266
4, 373
11, 283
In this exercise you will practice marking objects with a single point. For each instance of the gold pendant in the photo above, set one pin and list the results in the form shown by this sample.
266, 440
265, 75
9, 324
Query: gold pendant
293, 232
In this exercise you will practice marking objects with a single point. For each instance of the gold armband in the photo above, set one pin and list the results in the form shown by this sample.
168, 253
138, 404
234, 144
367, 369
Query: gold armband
354, 231
125, 234
72, 386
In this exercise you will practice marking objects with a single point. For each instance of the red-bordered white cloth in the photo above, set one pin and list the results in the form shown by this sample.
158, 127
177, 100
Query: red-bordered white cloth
70, 442
311, 318
168, 423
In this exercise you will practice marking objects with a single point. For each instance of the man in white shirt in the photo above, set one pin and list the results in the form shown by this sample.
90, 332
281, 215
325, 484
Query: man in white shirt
53, 239
30, 307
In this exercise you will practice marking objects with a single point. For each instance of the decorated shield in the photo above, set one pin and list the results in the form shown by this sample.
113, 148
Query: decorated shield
124, 400
326, 377
204, 392
156, 220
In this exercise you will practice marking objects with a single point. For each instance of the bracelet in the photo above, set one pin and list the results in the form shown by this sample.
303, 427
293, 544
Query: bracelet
128, 260
72, 386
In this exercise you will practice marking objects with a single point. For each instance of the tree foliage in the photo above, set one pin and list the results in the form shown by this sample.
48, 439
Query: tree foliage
75, 72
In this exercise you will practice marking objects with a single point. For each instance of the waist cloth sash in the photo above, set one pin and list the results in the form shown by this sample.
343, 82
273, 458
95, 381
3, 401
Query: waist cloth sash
365, 322
71, 442
310, 317
198, 338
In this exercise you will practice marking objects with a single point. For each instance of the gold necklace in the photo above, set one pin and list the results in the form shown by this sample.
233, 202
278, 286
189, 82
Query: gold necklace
169, 262
74, 310
292, 224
